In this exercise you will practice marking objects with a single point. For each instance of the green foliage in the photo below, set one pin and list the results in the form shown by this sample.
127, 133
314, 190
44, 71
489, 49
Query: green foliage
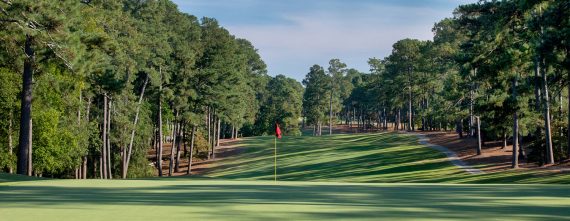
281, 103
86, 51
58, 140
201, 145
315, 97
55, 147
469, 70
9, 92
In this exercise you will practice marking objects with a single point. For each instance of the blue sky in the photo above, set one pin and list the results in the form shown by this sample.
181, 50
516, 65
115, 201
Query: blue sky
292, 35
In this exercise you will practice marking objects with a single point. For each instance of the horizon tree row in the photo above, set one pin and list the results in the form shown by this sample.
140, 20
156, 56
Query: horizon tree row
502, 62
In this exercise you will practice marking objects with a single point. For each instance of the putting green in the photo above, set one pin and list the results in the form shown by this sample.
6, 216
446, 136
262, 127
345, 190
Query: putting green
238, 190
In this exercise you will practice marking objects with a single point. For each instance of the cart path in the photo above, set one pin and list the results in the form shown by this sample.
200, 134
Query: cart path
453, 158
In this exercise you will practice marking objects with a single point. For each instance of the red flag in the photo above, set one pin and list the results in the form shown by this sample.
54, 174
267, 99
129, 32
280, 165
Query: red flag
277, 131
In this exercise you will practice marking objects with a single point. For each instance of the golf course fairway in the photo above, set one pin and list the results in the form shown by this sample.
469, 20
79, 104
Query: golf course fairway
342, 177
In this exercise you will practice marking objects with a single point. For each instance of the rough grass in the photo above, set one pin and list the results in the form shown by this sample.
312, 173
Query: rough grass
240, 190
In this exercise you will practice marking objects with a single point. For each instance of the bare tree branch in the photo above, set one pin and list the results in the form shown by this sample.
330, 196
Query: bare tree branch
54, 47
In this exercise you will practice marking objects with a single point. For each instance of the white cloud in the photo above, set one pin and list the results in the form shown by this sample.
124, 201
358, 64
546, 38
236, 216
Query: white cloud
298, 34
318, 36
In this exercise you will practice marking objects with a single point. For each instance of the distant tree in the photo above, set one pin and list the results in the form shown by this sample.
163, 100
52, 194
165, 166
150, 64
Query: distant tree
314, 98
337, 72
283, 104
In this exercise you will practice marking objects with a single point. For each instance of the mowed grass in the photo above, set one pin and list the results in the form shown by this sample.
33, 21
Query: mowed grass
378, 158
203, 199
241, 188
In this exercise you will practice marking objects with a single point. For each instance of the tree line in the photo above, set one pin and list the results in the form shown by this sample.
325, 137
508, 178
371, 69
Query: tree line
111, 80
502, 66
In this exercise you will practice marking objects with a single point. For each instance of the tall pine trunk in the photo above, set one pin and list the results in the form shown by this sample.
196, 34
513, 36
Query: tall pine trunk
85, 158
330, 113
522, 153
346, 115
546, 112
10, 142
537, 95
26, 108
30, 159
79, 170
399, 120
353, 117
410, 110
130, 148
315, 130
184, 139
561, 117
213, 140
537, 86
84, 168
219, 131
95, 163
478, 135
192, 135
209, 123
173, 146
160, 144
385, 126
104, 150
471, 100
515, 158
216, 133
177, 160
109, 163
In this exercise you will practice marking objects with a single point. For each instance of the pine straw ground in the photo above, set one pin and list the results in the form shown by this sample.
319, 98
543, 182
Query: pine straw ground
494, 157
226, 149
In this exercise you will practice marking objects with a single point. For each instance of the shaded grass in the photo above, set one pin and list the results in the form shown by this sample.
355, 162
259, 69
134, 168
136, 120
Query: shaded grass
191, 199
384, 157
241, 191
5, 178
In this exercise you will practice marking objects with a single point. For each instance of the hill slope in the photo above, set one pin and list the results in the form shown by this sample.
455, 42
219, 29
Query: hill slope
380, 158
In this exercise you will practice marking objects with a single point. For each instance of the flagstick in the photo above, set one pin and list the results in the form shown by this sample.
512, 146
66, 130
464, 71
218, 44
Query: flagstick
275, 161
